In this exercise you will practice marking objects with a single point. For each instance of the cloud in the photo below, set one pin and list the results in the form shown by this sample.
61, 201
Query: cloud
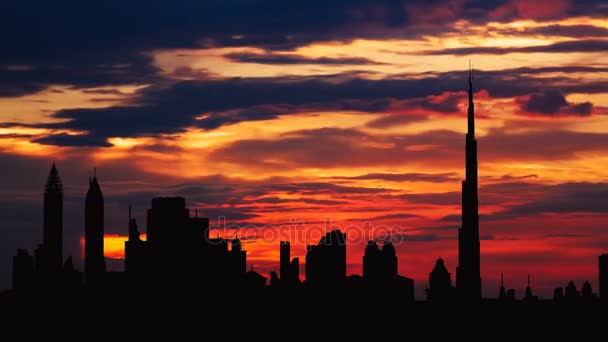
564, 235
559, 47
415, 237
553, 102
408, 177
575, 31
444, 198
446, 102
394, 120
212, 103
64, 139
100, 43
567, 198
403, 216
334, 147
291, 59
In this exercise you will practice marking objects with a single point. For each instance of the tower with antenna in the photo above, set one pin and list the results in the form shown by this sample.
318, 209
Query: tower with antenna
468, 276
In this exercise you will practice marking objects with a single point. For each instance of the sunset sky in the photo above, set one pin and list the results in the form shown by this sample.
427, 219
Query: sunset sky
282, 116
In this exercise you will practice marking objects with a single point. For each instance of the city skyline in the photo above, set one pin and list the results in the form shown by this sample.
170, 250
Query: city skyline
266, 112
179, 254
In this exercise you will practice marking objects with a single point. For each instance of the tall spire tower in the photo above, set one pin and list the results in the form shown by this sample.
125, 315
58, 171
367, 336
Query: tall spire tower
52, 226
94, 262
468, 275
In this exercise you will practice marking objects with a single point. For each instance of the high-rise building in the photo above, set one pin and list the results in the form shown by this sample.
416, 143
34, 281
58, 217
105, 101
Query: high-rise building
238, 258
284, 262
94, 262
289, 268
603, 272
371, 259
50, 252
468, 276
440, 283
23, 271
528, 296
380, 264
326, 262
135, 249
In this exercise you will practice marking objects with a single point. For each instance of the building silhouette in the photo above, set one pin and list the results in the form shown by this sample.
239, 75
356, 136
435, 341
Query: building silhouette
238, 257
23, 271
179, 258
45, 271
440, 287
528, 296
379, 264
468, 277
135, 249
603, 277
94, 262
380, 272
505, 295
50, 252
571, 293
289, 269
326, 262
587, 292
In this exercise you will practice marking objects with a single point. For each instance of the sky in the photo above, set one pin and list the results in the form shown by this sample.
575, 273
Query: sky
281, 119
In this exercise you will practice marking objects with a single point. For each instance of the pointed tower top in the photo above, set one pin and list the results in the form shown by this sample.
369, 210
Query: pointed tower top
53, 182
471, 109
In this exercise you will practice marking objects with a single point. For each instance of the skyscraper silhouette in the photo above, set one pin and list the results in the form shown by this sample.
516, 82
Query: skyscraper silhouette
135, 249
468, 277
289, 268
94, 263
440, 283
50, 253
326, 262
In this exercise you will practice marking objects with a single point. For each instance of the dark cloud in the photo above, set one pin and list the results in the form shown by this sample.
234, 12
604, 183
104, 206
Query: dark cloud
444, 103
82, 69
64, 139
539, 145
403, 216
334, 147
564, 235
567, 198
108, 42
408, 177
559, 47
444, 198
415, 238
276, 200
290, 59
393, 120
575, 31
553, 102
174, 107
